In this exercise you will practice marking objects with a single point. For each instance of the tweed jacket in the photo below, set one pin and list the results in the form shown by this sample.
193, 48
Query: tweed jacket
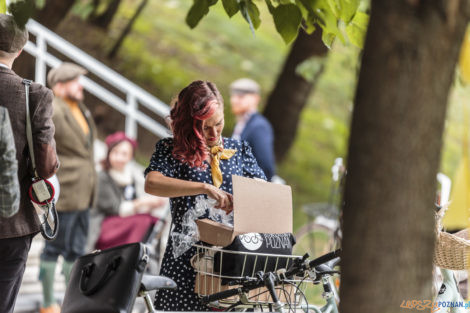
77, 174
12, 96
9, 186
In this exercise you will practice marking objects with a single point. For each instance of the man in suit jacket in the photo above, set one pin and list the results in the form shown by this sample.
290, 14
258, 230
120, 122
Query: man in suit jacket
17, 231
252, 126
75, 135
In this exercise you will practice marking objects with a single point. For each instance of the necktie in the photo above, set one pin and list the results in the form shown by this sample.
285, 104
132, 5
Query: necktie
219, 153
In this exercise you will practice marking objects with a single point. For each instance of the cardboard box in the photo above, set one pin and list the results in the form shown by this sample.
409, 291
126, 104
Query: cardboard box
258, 207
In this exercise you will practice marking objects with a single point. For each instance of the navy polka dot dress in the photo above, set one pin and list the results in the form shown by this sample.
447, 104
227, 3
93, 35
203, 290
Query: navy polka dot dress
242, 163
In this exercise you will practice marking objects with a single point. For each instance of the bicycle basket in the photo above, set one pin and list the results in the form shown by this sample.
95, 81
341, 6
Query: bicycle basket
209, 280
452, 250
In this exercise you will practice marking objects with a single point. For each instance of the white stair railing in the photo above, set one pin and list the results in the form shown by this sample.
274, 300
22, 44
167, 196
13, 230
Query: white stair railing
134, 94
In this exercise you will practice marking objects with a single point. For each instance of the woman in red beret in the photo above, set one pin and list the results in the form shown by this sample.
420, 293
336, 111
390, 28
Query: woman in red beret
122, 211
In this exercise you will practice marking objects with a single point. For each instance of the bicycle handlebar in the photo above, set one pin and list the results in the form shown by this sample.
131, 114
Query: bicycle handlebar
221, 295
262, 278
325, 258
318, 261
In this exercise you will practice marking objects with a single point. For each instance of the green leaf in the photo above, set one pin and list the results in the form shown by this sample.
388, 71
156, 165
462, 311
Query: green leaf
21, 10
348, 9
231, 7
356, 30
310, 68
335, 8
270, 6
307, 24
287, 18
308, 15
328, 22
199, 9
327, 38
3, 6
250, 12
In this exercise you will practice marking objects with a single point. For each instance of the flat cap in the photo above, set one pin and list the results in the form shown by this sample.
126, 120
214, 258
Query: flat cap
12, 37
244, 85
64, 73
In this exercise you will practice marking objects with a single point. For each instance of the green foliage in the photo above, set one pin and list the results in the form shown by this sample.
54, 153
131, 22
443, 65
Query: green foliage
333, 16
21, 10
231, 7
250, 13
83, 8
3, 6
197, 11
310, 68
287, 18
356, 30
344, 9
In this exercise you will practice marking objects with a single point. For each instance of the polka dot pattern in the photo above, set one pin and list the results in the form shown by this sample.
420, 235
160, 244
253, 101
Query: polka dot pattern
242, 163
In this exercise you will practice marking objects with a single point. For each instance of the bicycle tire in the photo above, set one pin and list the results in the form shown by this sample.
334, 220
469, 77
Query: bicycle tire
315, 239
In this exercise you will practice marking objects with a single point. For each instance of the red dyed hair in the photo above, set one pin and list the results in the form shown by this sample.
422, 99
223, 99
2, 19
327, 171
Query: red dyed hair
195, 103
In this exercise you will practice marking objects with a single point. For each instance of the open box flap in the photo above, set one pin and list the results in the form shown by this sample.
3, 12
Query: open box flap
215, 233
261, 207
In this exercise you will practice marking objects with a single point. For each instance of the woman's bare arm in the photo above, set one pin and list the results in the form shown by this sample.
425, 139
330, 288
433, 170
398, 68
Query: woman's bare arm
159, 185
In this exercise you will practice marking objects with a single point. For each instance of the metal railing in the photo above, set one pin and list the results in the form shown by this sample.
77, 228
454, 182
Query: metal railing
134, 94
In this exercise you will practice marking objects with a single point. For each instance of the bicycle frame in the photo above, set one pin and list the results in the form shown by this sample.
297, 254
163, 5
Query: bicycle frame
330, 295
449, 295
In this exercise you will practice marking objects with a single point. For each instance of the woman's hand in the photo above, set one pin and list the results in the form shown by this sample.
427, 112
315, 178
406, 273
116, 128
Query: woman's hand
224, 199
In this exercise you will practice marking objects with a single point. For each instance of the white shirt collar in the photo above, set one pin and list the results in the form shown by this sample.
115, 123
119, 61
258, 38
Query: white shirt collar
3, 65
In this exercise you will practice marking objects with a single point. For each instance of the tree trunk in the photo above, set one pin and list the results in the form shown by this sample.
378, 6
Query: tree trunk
291, 92
112, 53
407, 69
50, 16
104, 20
53, 12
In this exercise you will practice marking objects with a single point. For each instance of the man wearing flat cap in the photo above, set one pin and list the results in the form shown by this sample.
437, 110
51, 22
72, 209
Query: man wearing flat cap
251, 125
75, 135
16, 232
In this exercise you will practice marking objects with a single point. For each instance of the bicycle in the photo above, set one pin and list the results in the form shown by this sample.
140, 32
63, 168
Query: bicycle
276, 282
323, 233
151, 283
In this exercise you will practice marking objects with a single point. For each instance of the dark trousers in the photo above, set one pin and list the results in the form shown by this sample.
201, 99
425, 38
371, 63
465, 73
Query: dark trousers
13, 256
71, 238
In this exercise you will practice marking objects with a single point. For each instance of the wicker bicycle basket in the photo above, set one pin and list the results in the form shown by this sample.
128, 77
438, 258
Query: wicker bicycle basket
452, 250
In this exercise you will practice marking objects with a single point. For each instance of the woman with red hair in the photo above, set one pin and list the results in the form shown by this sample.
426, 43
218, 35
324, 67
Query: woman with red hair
196, 161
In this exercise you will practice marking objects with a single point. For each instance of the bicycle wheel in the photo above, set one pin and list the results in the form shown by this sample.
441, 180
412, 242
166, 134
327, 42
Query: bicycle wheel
315, 238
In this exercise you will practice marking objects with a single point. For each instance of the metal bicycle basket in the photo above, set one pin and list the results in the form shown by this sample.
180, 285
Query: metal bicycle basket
216, 270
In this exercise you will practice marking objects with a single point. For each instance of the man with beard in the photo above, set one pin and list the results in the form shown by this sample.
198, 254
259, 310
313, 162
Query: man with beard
75, 134
252, 126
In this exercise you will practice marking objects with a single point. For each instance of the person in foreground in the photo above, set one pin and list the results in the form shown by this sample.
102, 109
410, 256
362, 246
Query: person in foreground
196, 161
17, 232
